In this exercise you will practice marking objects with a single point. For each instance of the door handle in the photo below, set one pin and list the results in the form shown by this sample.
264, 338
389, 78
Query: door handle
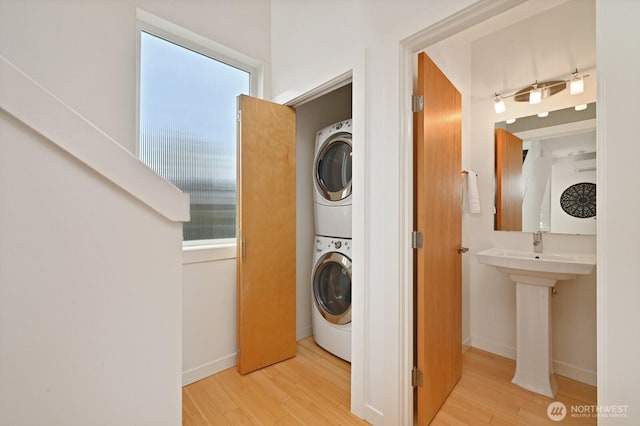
244, 248
462, 249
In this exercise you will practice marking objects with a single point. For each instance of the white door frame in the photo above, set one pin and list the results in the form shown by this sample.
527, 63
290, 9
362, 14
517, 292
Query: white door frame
409, 47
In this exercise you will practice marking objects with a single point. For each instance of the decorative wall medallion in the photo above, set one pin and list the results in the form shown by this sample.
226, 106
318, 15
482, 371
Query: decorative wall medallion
579, 200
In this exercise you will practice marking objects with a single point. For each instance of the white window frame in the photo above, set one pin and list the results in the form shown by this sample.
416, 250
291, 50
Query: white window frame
159, 27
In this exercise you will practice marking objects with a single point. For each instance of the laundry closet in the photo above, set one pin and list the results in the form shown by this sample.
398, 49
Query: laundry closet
330, 113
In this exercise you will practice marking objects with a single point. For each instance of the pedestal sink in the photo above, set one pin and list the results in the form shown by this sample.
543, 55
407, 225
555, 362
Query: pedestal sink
535, 274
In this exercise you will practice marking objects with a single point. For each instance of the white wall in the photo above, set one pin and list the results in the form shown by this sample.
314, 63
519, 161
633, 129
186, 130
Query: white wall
618, 226
89, 314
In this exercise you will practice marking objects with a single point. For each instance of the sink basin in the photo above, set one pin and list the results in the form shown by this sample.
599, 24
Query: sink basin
552, 266
534, 275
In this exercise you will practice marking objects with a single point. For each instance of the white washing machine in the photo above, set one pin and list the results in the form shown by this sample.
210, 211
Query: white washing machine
332, 180
331, 295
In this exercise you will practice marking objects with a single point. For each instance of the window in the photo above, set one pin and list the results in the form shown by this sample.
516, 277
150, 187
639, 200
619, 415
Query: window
187, 113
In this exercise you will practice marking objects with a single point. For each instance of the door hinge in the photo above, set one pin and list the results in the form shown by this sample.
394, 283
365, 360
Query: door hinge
416, 377
417, 103
238, 115
416, 239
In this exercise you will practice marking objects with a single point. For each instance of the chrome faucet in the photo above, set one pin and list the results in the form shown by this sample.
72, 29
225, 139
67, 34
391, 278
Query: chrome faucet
537, 242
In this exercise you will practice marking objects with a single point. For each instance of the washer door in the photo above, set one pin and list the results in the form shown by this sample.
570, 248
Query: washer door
332, 287
333, 168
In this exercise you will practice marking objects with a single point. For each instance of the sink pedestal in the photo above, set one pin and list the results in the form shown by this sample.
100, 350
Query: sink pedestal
535, 274
534, 366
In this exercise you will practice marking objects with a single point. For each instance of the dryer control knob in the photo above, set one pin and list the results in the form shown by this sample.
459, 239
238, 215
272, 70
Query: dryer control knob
338, 244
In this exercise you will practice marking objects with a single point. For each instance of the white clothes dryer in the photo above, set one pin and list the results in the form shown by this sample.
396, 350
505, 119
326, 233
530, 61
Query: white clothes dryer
331, 295
332, 180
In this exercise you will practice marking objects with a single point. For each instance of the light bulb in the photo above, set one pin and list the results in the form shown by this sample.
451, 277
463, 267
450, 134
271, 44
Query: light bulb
498, 104
511, 120
576, 85
543, 114
581, 107
535, 95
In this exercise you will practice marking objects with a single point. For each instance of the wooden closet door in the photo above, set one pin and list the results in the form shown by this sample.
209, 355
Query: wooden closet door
266, 223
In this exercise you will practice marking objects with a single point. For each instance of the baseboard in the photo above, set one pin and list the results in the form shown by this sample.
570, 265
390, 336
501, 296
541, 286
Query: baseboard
372, 415
571, 371
208, 369
466, 344
303, 333
493, 347
580, 374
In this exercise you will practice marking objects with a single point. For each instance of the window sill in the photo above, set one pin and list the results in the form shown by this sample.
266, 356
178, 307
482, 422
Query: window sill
225, 249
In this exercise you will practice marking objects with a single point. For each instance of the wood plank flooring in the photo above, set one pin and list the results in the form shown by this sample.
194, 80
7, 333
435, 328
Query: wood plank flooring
314, 389
485, 395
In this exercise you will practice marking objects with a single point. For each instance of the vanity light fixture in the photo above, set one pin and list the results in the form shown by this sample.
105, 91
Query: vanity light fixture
498, 104
540, 90
581, 107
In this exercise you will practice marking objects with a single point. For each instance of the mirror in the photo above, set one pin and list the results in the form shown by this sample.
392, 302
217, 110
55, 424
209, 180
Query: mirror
546, 173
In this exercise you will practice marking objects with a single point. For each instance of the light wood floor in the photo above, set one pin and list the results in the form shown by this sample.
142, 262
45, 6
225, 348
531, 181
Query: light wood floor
485, 395
314, 387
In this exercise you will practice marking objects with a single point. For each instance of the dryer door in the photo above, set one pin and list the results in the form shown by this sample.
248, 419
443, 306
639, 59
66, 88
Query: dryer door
333, 168
332, 287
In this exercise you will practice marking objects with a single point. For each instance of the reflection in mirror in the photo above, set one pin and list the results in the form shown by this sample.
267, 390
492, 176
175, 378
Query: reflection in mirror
546, 173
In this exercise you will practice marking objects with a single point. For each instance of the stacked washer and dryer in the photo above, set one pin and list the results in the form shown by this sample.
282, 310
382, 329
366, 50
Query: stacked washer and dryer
331, 276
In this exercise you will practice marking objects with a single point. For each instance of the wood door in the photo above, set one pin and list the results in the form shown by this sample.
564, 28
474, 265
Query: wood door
266, 203
438, 216
508, 181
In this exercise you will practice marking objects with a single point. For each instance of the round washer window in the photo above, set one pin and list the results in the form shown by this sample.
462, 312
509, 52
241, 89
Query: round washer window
332, 288
333, 169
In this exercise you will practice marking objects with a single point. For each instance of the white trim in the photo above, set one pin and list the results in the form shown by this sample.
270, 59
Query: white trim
329, 86
494, 347
209, 253
602, 344
359, 254
25, 99
466, 344
169, 31
466, 18
574, 372
208, 369
373, 415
